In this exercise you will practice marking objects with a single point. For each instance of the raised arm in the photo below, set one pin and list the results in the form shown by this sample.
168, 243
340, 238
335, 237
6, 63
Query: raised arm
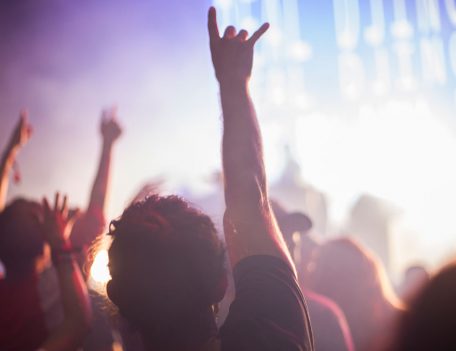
110, 132
19, 138
76, 304
91, 224
250, 226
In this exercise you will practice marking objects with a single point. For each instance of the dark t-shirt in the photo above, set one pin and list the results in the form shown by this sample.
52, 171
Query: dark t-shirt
269, 311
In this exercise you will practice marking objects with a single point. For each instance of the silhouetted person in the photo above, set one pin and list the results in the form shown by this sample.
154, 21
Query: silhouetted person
167, 263
29, 233
329, 326
88, 227
354, 279
32, 234
430, 322
415, 279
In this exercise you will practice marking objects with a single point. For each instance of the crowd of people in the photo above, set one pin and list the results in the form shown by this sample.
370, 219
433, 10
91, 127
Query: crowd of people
172, 273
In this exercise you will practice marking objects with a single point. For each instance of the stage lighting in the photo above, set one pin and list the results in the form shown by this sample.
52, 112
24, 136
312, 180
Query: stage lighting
99, 271
363, 93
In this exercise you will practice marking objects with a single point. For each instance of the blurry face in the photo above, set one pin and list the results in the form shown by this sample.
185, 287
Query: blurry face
24, 240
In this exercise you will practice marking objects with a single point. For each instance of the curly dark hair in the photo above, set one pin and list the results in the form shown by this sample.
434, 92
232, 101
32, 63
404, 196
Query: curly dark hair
166, 261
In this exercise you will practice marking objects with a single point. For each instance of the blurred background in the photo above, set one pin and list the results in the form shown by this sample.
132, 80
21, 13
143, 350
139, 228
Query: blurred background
356, 101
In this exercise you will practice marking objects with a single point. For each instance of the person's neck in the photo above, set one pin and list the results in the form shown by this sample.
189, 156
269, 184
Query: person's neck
190, 334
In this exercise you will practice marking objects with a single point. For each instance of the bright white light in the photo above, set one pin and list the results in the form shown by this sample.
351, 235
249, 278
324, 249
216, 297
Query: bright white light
347, 40
250, 24
402, 30
224, 4
300, 51
100, 271
278, 96
397, 151
374, 36
379, 88
276, 80
273, 36
450, 7
273, 153
352, 76
404, 53
302, 101
407, 83
433, 57
347, 21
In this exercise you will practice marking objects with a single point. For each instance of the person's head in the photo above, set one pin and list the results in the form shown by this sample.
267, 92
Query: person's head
354, 269
430, 322
415, 279
21, 239
293, 225
166, 262
354, 278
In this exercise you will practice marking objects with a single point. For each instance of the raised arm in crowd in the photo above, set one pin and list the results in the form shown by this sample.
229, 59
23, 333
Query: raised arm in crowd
70, 333
18, 139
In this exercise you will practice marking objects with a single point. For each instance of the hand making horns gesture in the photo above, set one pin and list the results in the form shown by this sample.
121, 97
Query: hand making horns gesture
232, 54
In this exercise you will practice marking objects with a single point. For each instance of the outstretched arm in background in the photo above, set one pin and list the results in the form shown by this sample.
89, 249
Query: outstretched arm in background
92, 222
110, 132
250, 226
76, 304
19, 138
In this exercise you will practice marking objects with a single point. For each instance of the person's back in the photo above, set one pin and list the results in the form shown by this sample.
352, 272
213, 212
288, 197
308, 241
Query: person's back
167, 263
329, 326
22, 321
352, 277
168, 269
30, 232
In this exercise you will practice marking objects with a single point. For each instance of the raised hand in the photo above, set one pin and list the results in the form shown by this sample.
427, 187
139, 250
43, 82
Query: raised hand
232, 54
56, 226
110, 128
22, 132
19, 137
56, 223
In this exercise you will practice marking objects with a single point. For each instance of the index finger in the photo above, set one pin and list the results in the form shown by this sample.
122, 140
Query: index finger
46, 206
64, 207
56, 201
23, 115
212, 25
255, 36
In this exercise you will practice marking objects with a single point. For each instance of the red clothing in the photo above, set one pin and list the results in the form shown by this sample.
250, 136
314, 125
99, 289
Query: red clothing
22, 322
31, 306
87, 228
329, 326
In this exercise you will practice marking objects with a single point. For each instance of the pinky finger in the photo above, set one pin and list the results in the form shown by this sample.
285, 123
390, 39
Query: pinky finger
257, 35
